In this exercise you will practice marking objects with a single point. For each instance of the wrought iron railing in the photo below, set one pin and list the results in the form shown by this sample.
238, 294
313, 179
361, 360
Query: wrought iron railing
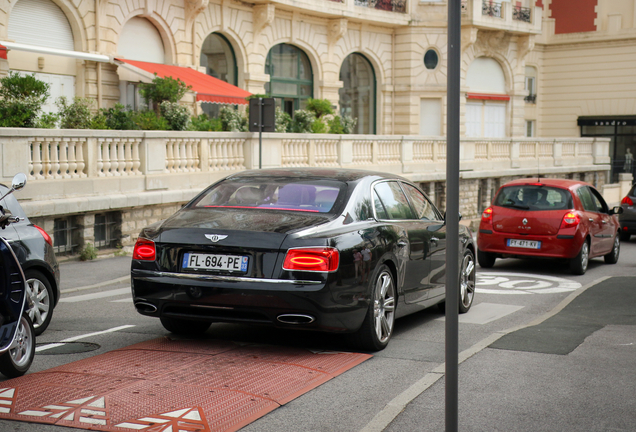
521, 14
491, 9
385, 5
531, 98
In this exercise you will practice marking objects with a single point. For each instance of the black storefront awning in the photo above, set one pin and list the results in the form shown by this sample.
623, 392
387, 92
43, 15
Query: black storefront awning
606, 121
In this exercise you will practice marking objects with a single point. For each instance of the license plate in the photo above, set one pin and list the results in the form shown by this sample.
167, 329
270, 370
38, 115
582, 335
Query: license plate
527, 244
200, 261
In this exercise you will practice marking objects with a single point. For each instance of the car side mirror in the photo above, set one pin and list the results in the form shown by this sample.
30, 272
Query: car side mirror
19, 181
616, 210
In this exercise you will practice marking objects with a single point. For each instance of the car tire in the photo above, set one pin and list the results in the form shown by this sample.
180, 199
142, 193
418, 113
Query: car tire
40, 300
377, 328
625, 236
17, 360
578, 264
486, 259
466, 284
183, 326
612, 257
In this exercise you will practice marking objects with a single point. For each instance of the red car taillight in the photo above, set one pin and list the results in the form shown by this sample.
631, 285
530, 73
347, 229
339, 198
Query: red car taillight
320, 259
627, 200
570, 219
144, 250
486, 216
47, 238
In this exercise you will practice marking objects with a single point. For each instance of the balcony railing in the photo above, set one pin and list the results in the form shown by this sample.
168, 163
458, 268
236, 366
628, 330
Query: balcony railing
491, 9
531, 99
385, 5
521, 14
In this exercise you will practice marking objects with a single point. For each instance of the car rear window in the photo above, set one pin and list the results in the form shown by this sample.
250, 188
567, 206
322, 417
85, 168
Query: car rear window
534, 197
316, 196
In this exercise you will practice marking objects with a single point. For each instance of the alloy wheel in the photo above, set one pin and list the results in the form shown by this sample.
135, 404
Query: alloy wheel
22, 345
467, 281
585, 255
384, 306
39, 301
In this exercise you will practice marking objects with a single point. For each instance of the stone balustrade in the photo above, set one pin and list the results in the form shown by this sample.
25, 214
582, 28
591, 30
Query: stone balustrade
72, 171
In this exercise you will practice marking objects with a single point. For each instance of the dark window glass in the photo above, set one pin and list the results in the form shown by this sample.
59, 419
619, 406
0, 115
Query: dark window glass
394, 200
600, 203
357, 95
318, 196
431, 59
380, 212
217, 56
534, 197
586, 199
291, 77
423, 207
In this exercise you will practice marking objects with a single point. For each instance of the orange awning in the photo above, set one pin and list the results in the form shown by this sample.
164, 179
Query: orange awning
207, 88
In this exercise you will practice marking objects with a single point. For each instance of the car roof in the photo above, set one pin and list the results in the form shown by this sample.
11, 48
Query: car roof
340, 174
559, 183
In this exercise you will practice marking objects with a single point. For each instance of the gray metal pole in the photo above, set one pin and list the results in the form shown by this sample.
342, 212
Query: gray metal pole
260, 133
452, 214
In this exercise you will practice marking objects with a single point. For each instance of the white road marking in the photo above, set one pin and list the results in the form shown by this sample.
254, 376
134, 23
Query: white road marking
126, 300
483, 313
97, 295
84, 336
522, 284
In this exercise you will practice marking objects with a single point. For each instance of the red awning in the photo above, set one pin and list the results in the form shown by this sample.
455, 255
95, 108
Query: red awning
207, 88
488, 96
3, 52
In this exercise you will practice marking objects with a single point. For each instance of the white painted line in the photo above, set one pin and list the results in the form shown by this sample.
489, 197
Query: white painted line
126, 300
97, 295
97, 285
483, 313
84, 336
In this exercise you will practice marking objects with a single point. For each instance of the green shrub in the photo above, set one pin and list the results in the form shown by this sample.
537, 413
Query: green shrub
205, 124
76, 115
283, 121
21, 100
319, 107
348, 123
99, 121
47, 121
148, 120
119, 118
88, 253
163, 89
232, 120
335, 126
319, 126
178, 116
303, 121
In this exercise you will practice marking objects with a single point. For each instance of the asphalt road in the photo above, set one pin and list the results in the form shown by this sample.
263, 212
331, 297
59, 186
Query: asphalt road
97, 314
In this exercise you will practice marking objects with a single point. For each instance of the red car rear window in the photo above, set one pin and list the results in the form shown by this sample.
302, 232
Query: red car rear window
316, 196
534, 197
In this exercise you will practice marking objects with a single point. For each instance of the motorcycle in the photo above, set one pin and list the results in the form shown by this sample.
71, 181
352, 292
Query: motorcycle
17, 337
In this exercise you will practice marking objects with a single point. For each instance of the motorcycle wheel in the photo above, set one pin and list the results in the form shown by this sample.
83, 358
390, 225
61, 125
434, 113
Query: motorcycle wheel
17, 360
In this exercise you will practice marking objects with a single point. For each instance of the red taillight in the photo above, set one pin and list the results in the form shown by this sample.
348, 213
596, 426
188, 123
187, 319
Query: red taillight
627, 200
487, 214
144, 250
320, 259
47, 238
570, 219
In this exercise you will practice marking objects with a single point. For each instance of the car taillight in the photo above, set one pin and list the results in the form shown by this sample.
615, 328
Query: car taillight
47, 238
570, 219
144, 250
320, 259
627, 200
486, 216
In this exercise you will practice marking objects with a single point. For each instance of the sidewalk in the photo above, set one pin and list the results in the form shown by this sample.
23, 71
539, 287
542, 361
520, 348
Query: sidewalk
575, 371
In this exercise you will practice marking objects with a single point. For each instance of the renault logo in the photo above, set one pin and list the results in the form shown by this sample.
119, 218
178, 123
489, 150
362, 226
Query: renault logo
524, 221
215, 237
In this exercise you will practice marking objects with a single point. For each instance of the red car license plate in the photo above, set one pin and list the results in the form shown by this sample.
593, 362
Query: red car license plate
525, 244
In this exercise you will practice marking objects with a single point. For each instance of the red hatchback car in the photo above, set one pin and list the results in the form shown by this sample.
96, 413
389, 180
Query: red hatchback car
549, 218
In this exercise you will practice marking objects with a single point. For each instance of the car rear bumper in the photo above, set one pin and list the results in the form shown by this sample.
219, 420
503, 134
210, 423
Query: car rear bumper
628, 226
302, 304
555, 246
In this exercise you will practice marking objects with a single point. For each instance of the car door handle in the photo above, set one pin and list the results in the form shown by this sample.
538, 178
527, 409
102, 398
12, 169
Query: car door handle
591, 220
402, 243
604, 221
434, 240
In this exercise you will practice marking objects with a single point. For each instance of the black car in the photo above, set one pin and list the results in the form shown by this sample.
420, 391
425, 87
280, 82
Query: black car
314, 249
34, 249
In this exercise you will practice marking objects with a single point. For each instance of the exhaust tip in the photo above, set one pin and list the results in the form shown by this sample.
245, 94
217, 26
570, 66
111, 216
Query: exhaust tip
295, 319
144, 307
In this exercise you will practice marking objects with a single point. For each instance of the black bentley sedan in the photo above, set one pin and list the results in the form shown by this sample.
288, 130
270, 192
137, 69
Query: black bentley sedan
331, 250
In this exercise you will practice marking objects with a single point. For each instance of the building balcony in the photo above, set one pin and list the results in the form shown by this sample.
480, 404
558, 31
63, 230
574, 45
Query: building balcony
391, 12
490, 15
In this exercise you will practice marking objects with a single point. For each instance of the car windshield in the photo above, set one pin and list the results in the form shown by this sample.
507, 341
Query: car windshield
534, 197
305, 195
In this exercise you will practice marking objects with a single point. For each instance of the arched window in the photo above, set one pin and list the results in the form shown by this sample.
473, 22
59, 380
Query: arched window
486, 103
291, 80
140, 40
41, 23
218, 58
357, 96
